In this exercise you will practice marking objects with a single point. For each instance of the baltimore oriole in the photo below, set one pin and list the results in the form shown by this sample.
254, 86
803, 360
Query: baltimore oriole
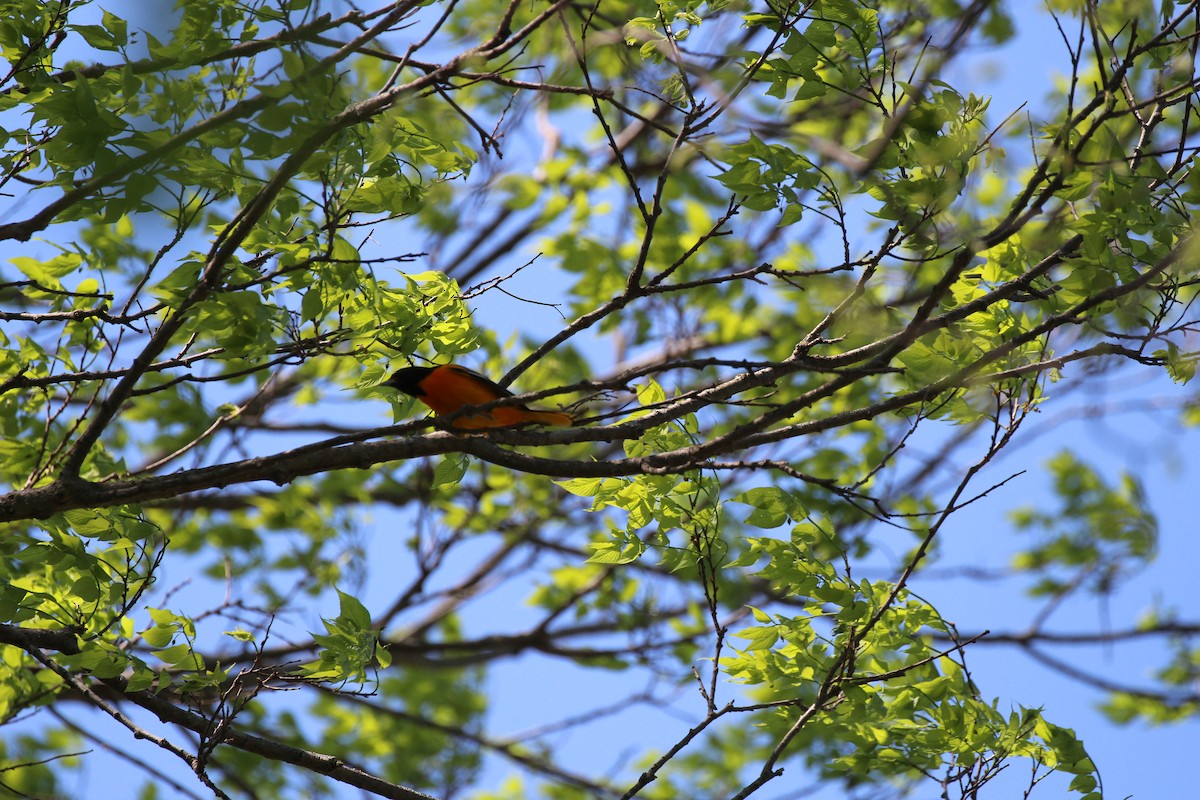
447, 389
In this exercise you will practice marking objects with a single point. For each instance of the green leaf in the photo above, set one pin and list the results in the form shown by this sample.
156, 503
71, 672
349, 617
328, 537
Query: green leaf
759, 638
625, 547
1181, 369
772, 506
450, 470
117, 28
159, 635
97, 36
353, 612
584, 487
175, 654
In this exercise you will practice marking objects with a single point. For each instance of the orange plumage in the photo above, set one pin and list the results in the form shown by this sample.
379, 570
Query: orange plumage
447, 389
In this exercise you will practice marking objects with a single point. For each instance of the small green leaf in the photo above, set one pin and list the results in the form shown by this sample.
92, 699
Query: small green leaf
759, 638
96, 36
450, 470
351, 610
624, 548
174, 654
159, 636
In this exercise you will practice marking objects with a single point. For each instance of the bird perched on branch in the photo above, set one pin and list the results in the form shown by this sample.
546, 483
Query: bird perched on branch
447, 389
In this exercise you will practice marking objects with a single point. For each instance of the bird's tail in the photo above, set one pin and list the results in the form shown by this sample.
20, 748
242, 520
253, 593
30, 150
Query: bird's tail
512, 417
558, 418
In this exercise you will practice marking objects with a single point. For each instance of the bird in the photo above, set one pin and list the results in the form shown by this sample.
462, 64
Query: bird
448, 388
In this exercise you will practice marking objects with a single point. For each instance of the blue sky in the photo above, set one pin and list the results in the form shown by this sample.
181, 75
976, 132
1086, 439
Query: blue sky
1144, 437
